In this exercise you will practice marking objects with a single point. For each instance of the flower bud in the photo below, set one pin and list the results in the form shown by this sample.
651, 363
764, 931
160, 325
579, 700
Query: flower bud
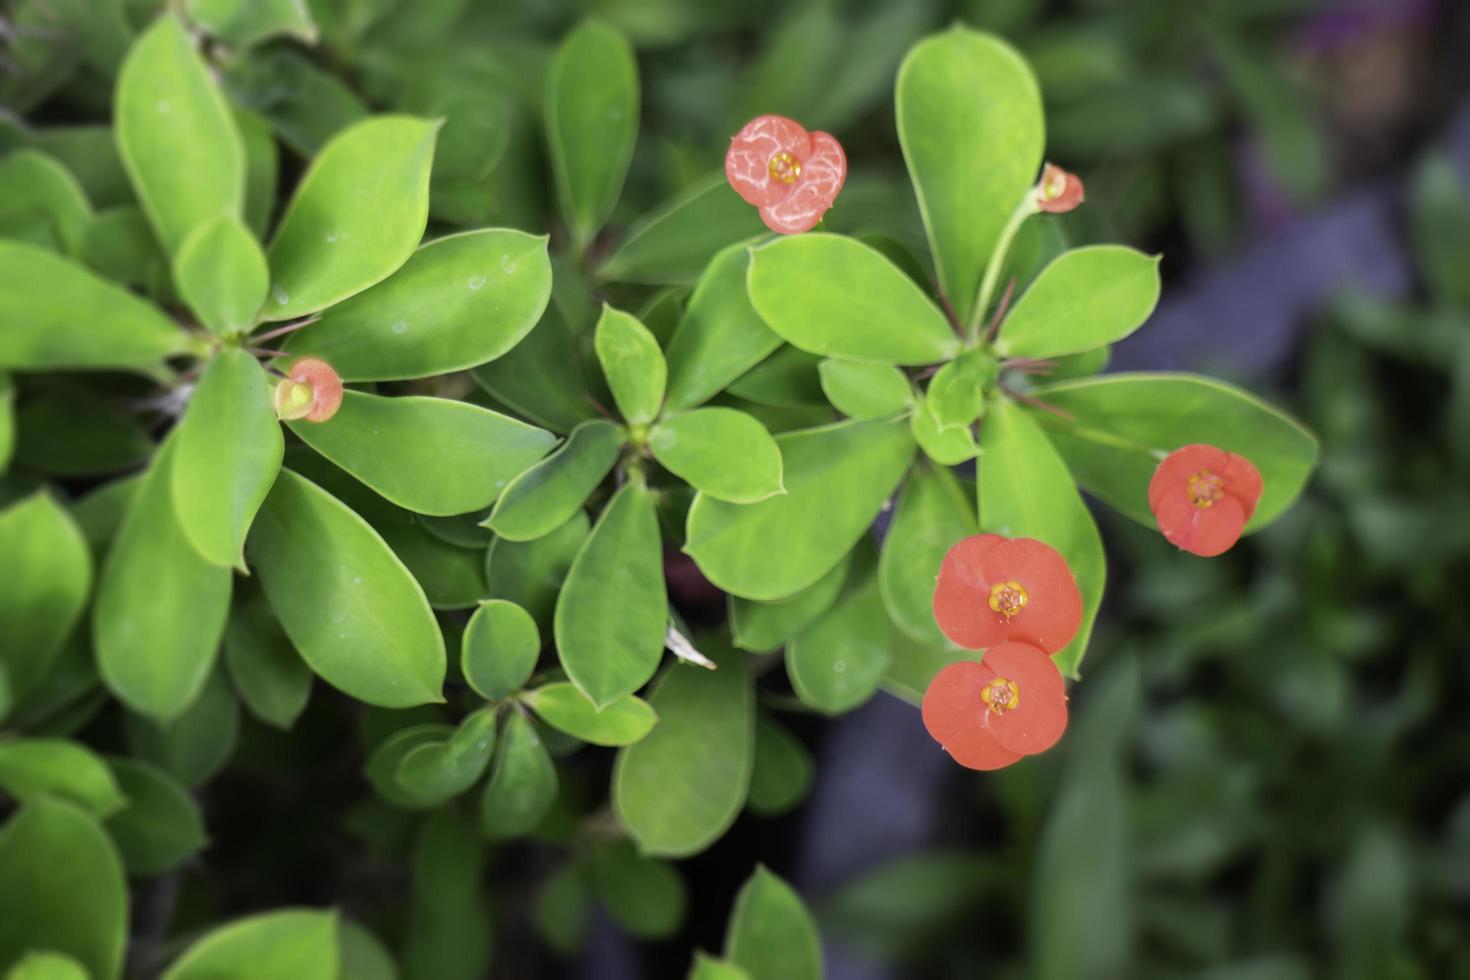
1058, 191
312, 391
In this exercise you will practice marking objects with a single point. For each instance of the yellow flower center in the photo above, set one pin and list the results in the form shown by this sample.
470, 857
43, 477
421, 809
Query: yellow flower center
1001, 695
1053, 185
1205, 488
785, 168
1008, 598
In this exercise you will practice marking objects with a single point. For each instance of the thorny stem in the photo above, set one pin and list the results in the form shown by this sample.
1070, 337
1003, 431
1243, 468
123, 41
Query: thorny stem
993, 331
291, 327
1035, 402
1025, 209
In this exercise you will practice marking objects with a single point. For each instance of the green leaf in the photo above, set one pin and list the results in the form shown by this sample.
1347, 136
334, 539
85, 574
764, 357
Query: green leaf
357, 215
643, 895
296, 943
68, 430
56, 314
438, 771
1122, 421
161, 607
865, 391
522, 784
270, 676
228, 452
762, 627
262, 169
720, 336
675, 241
500, 647
120, 245
195, 746
221, 273
61, 889
7, 420
783, 769
632, 363
548, 494
947, 447
591, 123
47, 569
177, 138
563, 908
35, 767
612, 615
46, 966
1440, 209
565, 708
720, 452
243, 23
541, 378
681, 787
161, 826
788, 378
933, 515
35, 186
458, 302
956, 394
1026, 491
771, 933
836, 664
970, 124
387, 759
447, 936
1084, 299
706, 967
347, 603
530, 573
837, 480
836, 297
427, 455
362, 954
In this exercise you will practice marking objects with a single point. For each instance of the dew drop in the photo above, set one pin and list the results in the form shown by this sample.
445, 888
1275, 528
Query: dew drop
164, 106
400, 327
332, 237
839, 665
281, 296
476, 283
338, 614
507, 264
357, 580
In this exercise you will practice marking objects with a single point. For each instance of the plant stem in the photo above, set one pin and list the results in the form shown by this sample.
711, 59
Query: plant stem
1025, 209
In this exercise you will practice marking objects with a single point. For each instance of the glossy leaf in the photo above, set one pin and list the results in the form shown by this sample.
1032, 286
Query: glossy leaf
177, 138
243, 23
864, 391
933, 514
270, 676
530, 573
783, 769
387, 758
458, 302
1084, 299
612, 614
762, 627
955, 396
771, 933
947, 447
161, 826
836, 297
31, 768
837, 479
563, 707
197, 744
439, 771
221, 273
522, 784
633, 365
357, 215
349, 606
500, 647
227, 454
294, 943
675, 242
970, 124
836, 664
548, 494
678, 789
428, 455
643, 895
721, 452
47, 569
56, 314
160, 607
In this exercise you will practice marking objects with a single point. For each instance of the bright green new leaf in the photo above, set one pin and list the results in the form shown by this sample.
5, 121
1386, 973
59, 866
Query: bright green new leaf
427, 455
35, 767
567, 709
632, 363
436, 772
836, 297
612, 614
783, 769
226, 456
837, 480
947, 447
458, 302
674, 242
161, 826
499, 650
243, 23
720, 336
771, 933
296, 943
522, 785
934, 513
350, 607
720, 452
357, 215
161, 607
1026, 491
644, 895
1084, 299
46, 966
220, 272
195, 746
548, 494
706, 967
56, 314
47, 571
762, 627
530, 573
865, 391
836, 664
268, 673
33, 186
678, 789
1122, 423
970, 124
591, 123
177, 138
61, 888
955, 396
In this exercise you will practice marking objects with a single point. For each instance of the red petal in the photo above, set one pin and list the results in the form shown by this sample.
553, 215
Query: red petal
1035, 724
954, 715
326, 387
961, 594
822, 176
1053, 610
1243, 482
748, 162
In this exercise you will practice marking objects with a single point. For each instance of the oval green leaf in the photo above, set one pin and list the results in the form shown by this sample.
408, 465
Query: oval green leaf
35, 767
837, 664
500, 647
35, 186
865, 391
541, 378
720, 336
530, 573
546, 496
161, 826
268, 673
720, 452
565, 708
46, 966
644, 895
436, 772
947, 447
675, 241
933, 515
294, 943
762, 627
47, 568
220, 272
772, 934
522, 785
197, 744
783, 769
632, 363
1084, 299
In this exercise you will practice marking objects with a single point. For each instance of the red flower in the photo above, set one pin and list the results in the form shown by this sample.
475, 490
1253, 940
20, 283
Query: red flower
993, 589
989, 714
313, 391
1202, 498
1058, 191
793, 176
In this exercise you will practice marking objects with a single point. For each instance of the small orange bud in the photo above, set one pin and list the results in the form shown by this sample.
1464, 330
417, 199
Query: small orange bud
1058, 191
312, 391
